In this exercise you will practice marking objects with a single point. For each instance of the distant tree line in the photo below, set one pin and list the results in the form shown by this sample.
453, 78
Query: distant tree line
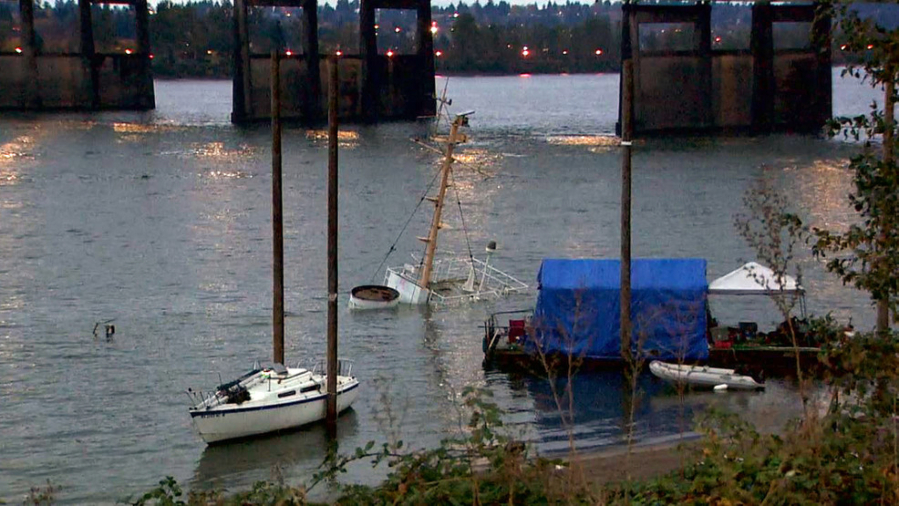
195, 39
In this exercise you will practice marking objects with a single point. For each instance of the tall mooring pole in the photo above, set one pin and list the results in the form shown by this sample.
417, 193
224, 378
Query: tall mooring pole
277, 220
331, 418
627, 129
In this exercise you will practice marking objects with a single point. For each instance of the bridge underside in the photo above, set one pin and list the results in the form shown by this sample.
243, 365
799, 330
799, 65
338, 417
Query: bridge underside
761, 89
372, 86
86, 80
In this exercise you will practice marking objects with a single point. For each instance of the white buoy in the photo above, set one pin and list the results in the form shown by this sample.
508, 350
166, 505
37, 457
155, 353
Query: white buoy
720, 388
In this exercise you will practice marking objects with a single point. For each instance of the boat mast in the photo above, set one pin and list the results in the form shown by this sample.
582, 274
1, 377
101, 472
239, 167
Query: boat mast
431, 240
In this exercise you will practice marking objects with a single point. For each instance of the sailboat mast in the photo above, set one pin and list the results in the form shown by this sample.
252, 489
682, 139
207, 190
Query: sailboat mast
431, 249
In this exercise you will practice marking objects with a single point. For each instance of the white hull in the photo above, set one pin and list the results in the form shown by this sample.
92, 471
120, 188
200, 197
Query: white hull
363, 304
702, 376
275, 404
410, 291
373, 297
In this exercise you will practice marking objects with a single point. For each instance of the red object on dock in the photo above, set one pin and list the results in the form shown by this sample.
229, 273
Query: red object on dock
516, 330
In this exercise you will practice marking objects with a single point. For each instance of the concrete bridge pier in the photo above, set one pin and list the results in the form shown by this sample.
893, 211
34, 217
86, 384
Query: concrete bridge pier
406, 81
89, 63
769, 87
372, 86
31, 94
35, 79
301, 73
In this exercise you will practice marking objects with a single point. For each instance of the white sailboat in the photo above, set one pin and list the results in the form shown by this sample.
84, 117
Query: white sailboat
446, 280
269, 399
273, 398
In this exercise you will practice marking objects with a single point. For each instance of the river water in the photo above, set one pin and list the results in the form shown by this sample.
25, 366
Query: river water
161, 221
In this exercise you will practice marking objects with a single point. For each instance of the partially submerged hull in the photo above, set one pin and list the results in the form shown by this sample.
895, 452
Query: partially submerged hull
703, 376
455, 281
409, 290
266, 402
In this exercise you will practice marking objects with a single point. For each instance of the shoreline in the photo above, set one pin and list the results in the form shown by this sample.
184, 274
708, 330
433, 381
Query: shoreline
437, 74
646, 460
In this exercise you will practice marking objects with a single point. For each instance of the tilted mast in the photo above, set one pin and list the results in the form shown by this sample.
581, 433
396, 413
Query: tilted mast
431, 240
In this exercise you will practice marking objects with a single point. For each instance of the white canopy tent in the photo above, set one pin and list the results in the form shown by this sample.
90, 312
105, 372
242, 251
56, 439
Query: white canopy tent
754, 279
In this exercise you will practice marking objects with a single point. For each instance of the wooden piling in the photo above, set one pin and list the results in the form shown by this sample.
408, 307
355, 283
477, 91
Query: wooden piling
277, 219
331, 415
627, 129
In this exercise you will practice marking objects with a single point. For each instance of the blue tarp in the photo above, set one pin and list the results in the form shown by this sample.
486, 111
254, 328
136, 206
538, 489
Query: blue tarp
578, 308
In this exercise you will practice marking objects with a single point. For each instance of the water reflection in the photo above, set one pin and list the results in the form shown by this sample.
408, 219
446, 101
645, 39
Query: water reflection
217, 151
12, 155
291, 453
134, 128
345, 138
596, 409
822, 190
223, 174
479, 158
594, 143
768, 410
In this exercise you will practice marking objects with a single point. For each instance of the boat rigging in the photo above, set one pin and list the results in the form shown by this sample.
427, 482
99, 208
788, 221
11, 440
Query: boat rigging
446, 280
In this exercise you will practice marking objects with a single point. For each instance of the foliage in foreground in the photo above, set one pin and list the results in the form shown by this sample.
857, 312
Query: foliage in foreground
847, 455
846, 452
169, 493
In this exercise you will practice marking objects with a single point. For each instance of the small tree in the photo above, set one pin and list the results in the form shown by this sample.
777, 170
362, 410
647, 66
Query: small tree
773, 231
867, 254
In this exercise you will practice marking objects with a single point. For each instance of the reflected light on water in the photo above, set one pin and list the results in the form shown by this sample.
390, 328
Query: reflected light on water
133, 128
143, 128
12, 303
594, 143
217, 151
223, 174
822, 191
8, 178
477, 158
345, 138
11, 155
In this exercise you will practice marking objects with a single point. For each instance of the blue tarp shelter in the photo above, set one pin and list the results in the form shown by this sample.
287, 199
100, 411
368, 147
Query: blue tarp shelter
578, 308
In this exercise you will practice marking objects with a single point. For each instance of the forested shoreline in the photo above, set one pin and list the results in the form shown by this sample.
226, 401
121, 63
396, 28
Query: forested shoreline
194, 39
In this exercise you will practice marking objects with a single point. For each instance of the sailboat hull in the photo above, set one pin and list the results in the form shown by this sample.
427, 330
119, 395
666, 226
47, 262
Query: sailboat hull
217, 425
